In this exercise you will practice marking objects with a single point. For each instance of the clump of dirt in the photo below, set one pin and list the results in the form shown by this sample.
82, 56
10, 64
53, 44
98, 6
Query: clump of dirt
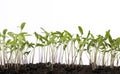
48, 68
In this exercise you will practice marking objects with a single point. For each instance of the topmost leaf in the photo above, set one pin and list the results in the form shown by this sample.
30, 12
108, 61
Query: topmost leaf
4, 31
22, 25
68, 33
44, 30
80, 30
107, 34
36, 35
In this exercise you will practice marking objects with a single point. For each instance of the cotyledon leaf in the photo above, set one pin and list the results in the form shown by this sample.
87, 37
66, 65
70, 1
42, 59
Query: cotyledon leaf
22, 25
80, 30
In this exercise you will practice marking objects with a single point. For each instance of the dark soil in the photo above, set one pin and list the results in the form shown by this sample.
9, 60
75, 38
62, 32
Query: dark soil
48, 68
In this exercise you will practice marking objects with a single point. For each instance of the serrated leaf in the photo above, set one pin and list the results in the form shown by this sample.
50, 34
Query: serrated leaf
80, 30
22, 25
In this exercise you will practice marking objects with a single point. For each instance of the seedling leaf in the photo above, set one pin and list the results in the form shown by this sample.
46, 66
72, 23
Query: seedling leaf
11, 34
36, 34
64, 47
80, 30
4, 31
22, 25
38, 44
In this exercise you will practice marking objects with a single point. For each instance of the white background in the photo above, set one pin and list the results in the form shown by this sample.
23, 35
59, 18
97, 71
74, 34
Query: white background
95, 15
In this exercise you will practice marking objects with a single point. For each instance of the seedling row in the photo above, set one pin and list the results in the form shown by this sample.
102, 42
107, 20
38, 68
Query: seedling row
59, 47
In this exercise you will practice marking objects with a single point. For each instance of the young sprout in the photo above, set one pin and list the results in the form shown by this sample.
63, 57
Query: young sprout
3, 47
117, 49
112, 48
89, 47
17, 44
58, 44
104, 47
59, 47
81, 44
97, 44
65, 38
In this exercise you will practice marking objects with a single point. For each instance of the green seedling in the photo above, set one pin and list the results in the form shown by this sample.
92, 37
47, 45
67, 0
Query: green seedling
59, 47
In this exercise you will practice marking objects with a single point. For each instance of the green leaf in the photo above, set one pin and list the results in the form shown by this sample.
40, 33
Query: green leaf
11, 34
44, 30
13, 43
30, 44
118, 40
78, 38
107, 34
22, 46
110, 39
88, 46
24, 34
36, 34
80, 45
92, 36
68, 33
20, 37
80, 30
22, 25
52, 39
4, 31
8, 41
48, 43
88, 34
43, 38
64, 47
4, 34
26, 53
38, 44
57, 33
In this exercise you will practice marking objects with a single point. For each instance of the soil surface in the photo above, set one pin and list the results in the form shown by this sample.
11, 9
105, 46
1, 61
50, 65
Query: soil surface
48, 68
